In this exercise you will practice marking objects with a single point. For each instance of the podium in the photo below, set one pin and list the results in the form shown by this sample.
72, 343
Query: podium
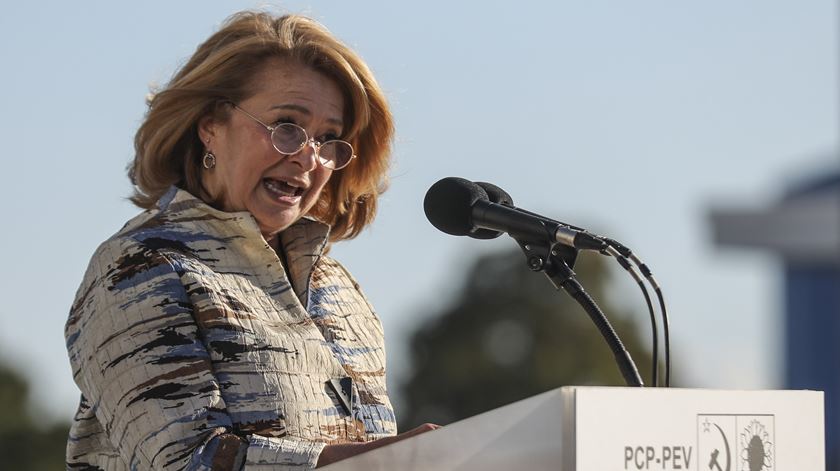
612, 428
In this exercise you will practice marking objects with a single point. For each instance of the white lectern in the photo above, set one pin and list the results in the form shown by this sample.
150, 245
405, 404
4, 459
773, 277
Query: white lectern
638, 429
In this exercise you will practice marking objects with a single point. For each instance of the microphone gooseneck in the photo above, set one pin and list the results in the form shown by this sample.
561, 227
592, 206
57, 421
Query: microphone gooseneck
562, 277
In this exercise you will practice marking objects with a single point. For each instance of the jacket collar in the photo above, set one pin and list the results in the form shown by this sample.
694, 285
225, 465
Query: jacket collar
303, 242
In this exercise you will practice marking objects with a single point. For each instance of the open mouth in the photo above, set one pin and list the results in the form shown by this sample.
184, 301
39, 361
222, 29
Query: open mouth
281, 189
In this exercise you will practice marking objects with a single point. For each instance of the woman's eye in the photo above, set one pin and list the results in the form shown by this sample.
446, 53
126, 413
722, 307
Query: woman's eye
328, 137
284, 120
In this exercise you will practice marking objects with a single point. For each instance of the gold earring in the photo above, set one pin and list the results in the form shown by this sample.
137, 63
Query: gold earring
209, 160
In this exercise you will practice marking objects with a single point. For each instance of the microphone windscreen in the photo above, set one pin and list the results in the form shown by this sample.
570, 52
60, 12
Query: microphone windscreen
448, 204
496, 195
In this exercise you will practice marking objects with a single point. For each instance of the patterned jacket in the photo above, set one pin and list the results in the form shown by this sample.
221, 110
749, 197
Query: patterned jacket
194, 350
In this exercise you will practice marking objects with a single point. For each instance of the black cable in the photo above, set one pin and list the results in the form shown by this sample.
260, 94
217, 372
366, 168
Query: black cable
646, 272
665, 327
566, 280
625, 263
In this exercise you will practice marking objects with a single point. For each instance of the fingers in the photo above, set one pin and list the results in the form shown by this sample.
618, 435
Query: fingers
420, 429
340, 451
426, 427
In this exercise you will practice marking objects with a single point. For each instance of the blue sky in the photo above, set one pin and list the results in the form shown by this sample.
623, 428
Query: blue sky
631, 118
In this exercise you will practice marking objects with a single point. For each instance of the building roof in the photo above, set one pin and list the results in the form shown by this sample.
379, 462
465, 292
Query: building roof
802, 227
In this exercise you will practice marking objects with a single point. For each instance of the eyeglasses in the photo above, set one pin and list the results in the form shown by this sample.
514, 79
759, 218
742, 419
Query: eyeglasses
289, 139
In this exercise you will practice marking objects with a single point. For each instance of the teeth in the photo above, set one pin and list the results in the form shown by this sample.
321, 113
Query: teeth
281, 188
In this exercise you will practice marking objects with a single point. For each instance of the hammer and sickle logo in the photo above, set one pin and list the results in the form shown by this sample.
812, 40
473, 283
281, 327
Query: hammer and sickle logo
713, 461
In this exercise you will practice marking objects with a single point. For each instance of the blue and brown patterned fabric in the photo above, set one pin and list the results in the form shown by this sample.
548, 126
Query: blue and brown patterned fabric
194, 350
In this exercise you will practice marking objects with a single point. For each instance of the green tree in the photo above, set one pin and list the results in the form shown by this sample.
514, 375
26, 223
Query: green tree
509, 335
24, 444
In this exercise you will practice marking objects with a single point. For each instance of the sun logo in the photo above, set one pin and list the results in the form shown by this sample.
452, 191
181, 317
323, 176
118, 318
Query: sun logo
756, 448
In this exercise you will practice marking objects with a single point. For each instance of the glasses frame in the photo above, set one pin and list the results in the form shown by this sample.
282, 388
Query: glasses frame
308, 141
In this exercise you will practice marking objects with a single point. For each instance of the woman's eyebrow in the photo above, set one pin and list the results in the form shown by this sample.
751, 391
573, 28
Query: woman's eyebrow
305, 111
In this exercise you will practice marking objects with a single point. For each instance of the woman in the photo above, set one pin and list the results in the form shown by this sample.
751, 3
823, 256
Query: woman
212, 331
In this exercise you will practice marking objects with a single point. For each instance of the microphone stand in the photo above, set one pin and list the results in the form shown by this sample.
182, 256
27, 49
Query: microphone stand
556, 261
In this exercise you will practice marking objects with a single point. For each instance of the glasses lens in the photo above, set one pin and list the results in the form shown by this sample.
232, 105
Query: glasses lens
335, 154
288, 138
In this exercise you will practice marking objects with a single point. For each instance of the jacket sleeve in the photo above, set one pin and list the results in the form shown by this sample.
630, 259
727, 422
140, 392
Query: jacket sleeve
138, 358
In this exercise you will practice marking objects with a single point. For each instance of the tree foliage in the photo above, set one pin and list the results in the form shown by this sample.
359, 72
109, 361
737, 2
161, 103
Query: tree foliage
25, 444
508, 335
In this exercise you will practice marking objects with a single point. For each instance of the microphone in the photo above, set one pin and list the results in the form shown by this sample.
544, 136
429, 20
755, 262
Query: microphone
496, 195
458, 207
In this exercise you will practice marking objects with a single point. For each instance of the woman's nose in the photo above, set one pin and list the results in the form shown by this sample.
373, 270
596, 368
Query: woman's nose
306, 157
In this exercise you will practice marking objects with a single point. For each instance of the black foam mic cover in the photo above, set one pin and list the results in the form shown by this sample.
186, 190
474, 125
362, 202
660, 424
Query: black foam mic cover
448, 204
496, 195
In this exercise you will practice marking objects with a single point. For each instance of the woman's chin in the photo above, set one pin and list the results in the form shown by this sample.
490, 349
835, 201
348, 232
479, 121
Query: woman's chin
273, 218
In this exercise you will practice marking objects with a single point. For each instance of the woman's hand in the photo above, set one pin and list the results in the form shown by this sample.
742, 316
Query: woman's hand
340, 451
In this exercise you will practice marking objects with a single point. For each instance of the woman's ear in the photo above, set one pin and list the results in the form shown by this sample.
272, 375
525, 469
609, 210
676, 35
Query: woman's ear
206, 130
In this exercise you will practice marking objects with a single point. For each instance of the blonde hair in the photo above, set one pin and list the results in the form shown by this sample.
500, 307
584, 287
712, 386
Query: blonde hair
168, 150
